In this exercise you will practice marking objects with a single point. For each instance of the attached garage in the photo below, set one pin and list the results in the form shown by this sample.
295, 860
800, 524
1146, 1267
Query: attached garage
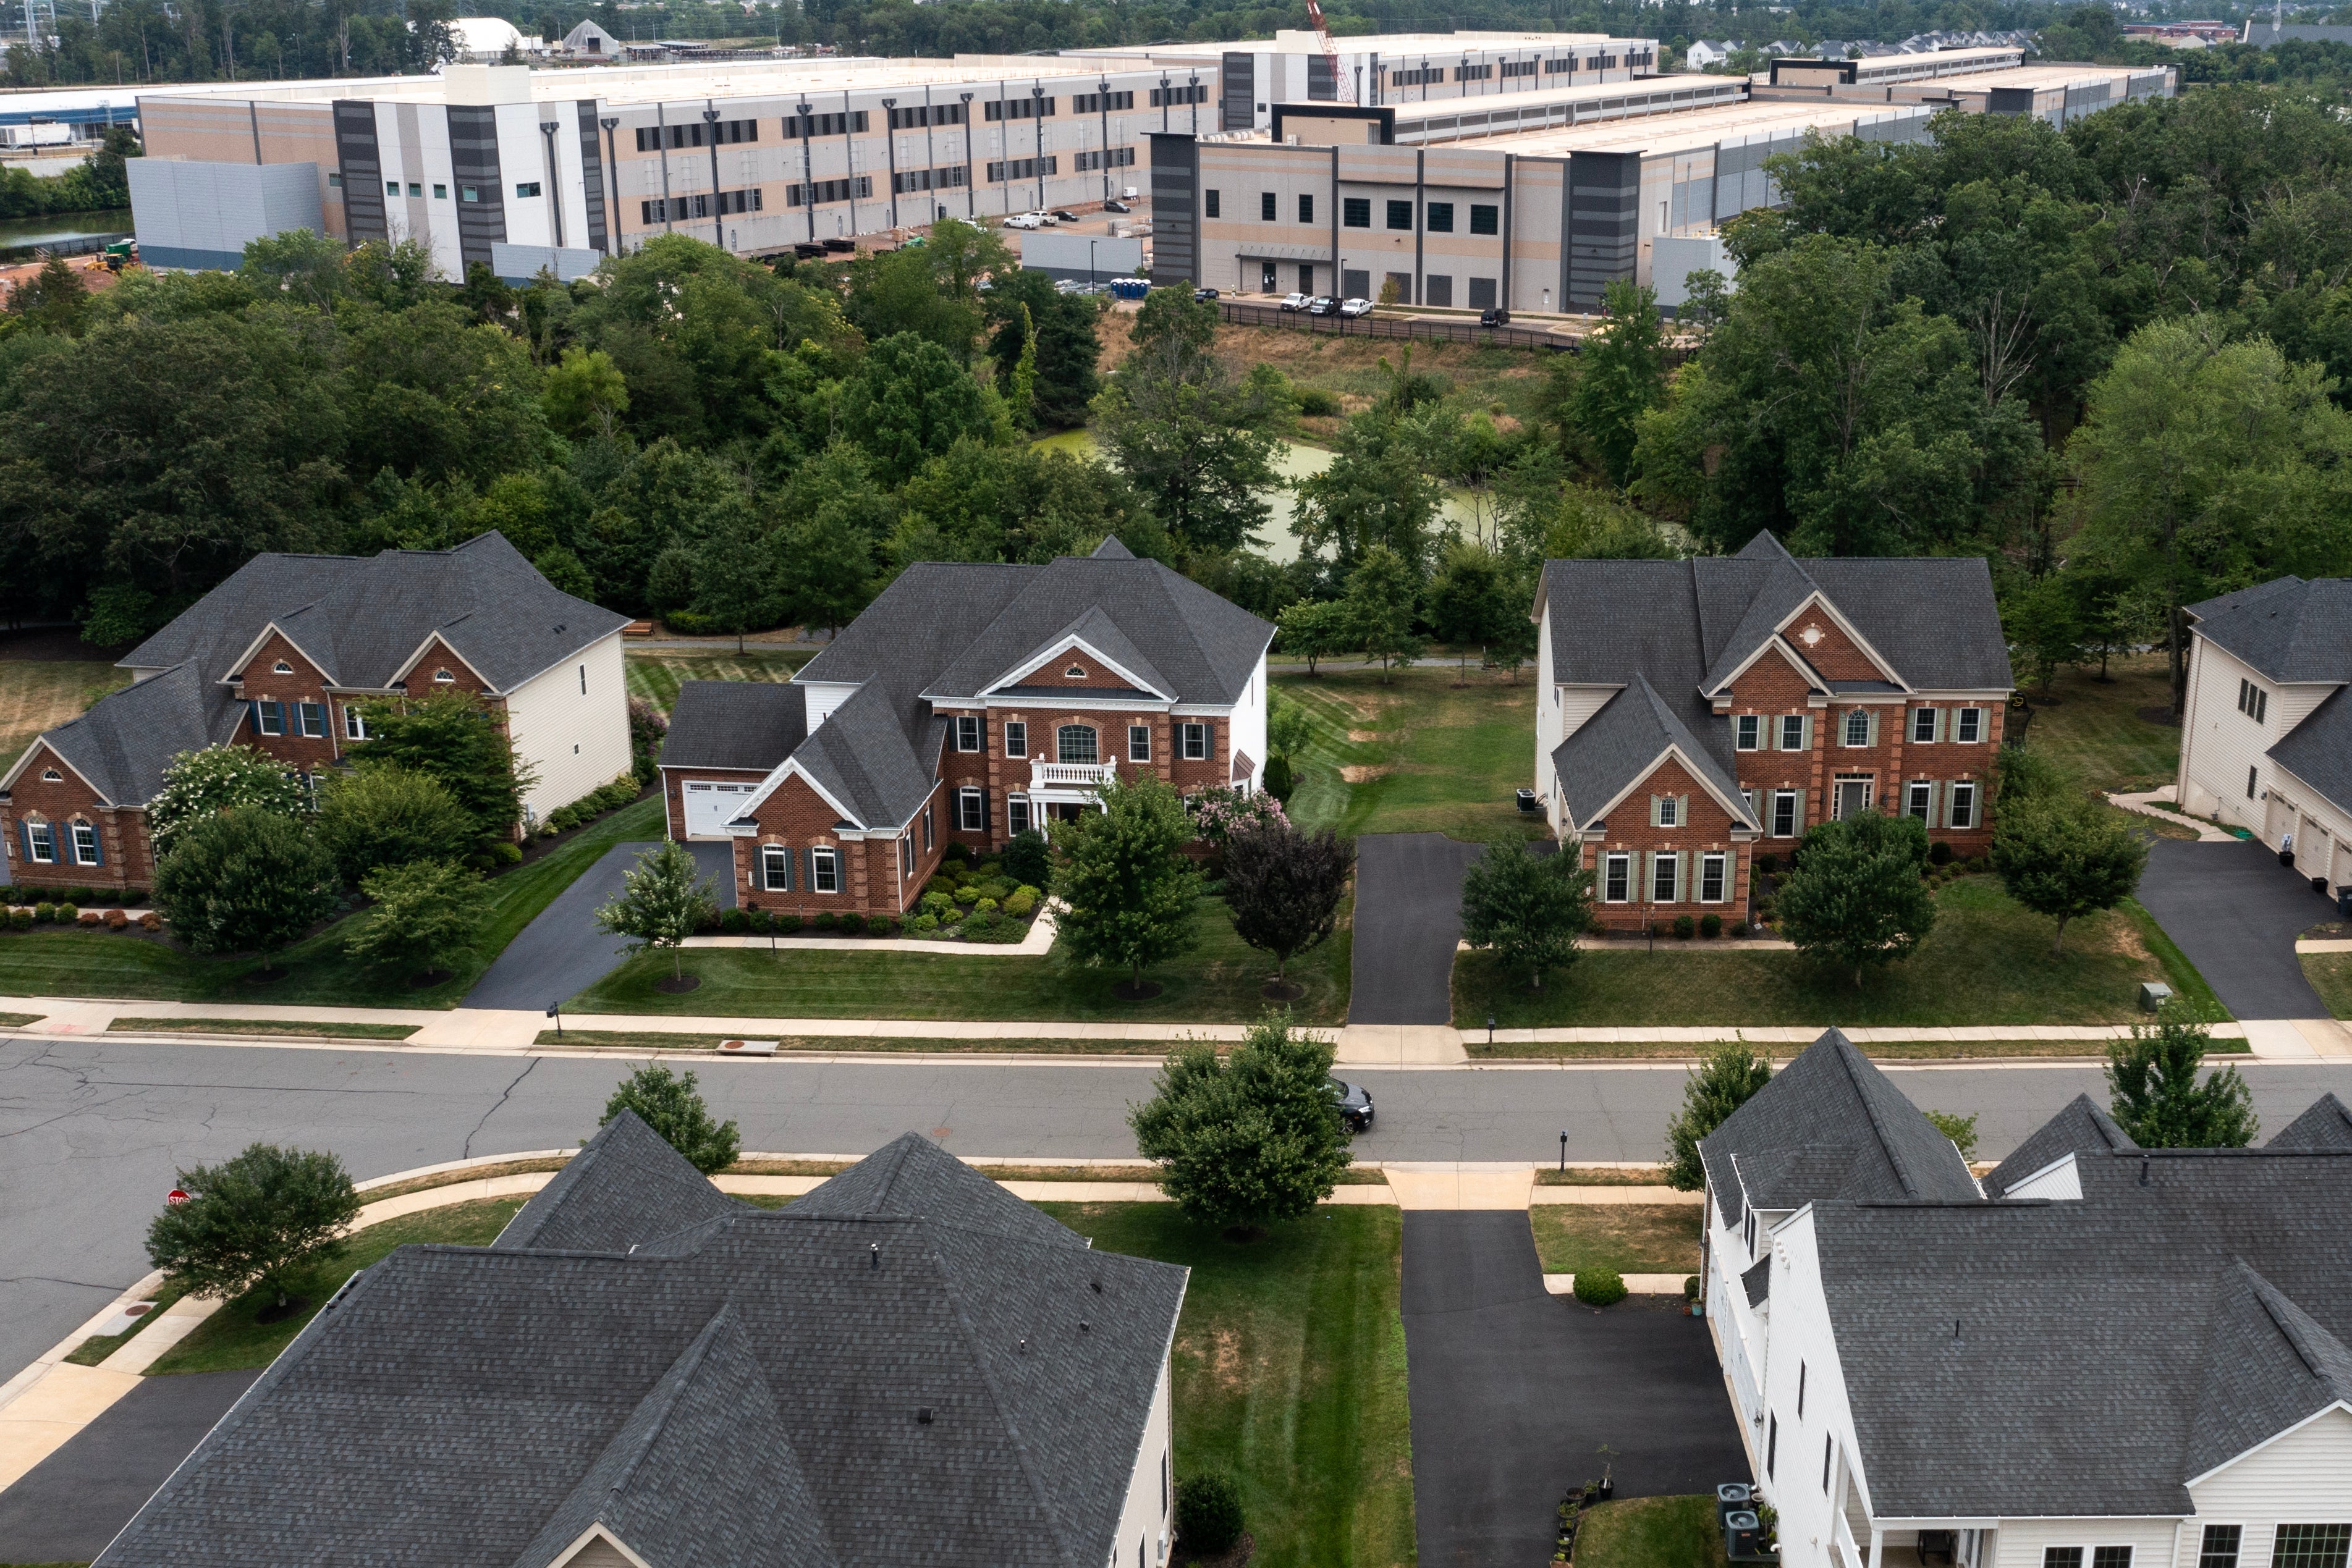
710, 804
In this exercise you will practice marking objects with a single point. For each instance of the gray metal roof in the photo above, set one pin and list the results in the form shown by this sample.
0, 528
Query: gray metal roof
2319, 750
2290, 630
2325, 1123
360, 618
2080, 1128
735, 723
756, 1397
1859, 1137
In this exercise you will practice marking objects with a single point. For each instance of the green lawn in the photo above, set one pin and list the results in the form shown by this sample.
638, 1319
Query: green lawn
1630, 1238
1416, 755
1289, 1374
1218, 982
654, 673
231, 1339
2330, 975
1507, 382
1651, 1533
2095, 730
47, 961
1986, 962
263, 1027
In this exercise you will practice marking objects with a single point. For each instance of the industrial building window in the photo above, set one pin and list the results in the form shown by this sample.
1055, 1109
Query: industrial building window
1017, 108
823, 191
797, 126
710, 133
1265, 206
440, 192
922, 115
334, 182
931, 179
526, 189
1616, 879
1017, 169
416, 188
1356, 211
1439, 216
1485, 220
1745, 730
2219, 1549
674, 209
1164, 97
1210, 209
1518, 67
1400, 215
1098, 102
1474, 73
469, 192
1306, 209
392, 187
1112, 158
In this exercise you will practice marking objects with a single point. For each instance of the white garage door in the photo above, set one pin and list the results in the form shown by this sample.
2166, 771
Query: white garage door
709, 806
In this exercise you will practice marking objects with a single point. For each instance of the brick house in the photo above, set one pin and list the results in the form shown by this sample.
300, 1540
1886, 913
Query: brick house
284, 656
967, 704
1694, 714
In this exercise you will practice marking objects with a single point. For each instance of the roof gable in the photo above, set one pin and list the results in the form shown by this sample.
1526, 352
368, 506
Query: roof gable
2325, 1123
2269, 1367
123, 745
1098, 638
1635, 733
2079, 1127
625, 1188
2290, 630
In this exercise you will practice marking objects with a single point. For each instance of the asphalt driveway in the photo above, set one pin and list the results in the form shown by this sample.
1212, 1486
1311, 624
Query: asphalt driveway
67, 1507
2235, 912
562, 953
1408, 923
1513, 1390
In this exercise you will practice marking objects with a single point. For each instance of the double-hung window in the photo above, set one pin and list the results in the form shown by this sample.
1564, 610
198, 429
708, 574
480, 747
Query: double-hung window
776, 868
825, 871
927, 830
1964, 806
1016, 814
1138, 742
354, 723
1784, 813
967, 728
971, 810
269, 718
2306, 1546
85, 843
1667, 811
41, 842
1195, 742
1616, 878
1919, 799
1793, 732
2219, 1547
314, 719
1714, 876
1747, 731
906, 854
1016, 738
1857, 727
1076, 743
1969, 726
1923, 725
2062, 1557
1663, 888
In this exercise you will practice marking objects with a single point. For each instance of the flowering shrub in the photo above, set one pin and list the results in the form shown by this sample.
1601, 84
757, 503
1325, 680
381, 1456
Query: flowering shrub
201, 784
1218, 814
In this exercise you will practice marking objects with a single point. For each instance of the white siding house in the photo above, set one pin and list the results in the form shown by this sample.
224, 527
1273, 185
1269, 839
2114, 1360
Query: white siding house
571, 723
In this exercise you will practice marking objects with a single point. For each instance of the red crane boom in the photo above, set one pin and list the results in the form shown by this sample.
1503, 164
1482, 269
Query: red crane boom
1323, 35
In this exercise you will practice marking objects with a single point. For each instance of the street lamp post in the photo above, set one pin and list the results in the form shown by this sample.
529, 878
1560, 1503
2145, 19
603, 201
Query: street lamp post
718, 223
1563, 1150
890, 149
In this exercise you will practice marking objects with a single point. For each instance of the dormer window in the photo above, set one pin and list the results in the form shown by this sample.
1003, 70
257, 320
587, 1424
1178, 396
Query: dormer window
1074, 672
443, 677
281, 668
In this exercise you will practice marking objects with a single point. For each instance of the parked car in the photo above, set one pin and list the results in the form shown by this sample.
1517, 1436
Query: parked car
1494, 316
1355, 307
1294, 302
1061, 215
1117, 207
1355, 1103
1203, 295
1323, 304
1026, 221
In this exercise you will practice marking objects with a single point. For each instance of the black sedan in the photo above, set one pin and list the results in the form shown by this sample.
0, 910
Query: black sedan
1355, 1103
1203, 295
1115, 206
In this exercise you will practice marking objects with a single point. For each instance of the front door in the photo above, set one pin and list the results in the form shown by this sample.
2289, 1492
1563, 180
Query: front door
1266, 277
1852, 798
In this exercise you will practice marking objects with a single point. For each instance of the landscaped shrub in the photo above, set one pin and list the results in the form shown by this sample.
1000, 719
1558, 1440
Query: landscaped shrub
852, 924
985, 906
924, 923
1685, 926
950, 915
786, 923
1768, 864
1028, 858
733, 922
1023, 901
506, 853
1939, 854
84, 895
44, 911
1690, 1287
968, 893
68, 914
1208, 1514
151, 921
759, 922
20, 919
1600, 1287
881, 925
938, 901
1710, 926
706, 920
955, 854
88, 918
825, 921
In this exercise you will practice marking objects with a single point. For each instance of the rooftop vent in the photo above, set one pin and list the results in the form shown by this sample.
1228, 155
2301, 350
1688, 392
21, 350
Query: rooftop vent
923, 1416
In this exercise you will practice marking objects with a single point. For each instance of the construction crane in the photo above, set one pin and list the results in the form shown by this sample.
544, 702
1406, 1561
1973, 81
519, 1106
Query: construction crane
1340, 84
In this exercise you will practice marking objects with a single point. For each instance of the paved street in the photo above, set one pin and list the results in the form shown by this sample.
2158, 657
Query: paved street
91, 1130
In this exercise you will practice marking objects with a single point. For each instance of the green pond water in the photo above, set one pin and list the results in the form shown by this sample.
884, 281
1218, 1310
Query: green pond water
1461, 511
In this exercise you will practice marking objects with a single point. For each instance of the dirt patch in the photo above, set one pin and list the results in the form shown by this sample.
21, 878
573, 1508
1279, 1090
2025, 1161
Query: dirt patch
1360, 736
1223, 1356
1362, 774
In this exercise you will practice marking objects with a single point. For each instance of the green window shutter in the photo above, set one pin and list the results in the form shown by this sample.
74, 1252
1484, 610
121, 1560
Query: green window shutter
1944, 793
1873, 727
1809, 732
97, 846
1683, 891
1943, 723
1682, 810
1653, 810
1800, 812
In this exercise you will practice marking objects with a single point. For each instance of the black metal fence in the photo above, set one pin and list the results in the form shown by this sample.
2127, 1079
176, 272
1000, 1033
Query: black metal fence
1241, 313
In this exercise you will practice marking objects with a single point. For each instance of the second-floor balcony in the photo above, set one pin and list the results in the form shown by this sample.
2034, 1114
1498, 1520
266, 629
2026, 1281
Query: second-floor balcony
1075, 778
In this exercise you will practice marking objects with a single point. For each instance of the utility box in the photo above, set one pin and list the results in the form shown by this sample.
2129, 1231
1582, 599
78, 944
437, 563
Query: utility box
2153, 995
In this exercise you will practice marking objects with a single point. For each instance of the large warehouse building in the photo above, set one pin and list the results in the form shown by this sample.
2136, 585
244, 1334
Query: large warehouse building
1537, 204
519, 168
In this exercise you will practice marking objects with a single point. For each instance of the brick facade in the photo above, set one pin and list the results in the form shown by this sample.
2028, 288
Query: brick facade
280, 674
125, 860
1702, 827
1003, 776
868, 877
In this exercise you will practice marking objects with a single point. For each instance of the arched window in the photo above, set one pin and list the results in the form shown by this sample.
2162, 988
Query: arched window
443, 677
1076, 743
1857, 727
281, 668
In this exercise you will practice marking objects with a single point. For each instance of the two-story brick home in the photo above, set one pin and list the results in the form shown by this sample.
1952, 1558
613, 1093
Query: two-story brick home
285, 655
968, 704
1692, 714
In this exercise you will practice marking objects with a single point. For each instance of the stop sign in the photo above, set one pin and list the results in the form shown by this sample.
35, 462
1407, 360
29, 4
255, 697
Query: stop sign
175, 1198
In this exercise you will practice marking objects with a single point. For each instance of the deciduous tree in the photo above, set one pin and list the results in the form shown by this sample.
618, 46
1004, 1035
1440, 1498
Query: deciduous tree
2065, 859
1125, 885
1378, 610
427, 915
1855, 898
1528, 909
201, 784
244, 881
251, 1221
670, 1104
2158, 1098
450, 736
388, 815
1725, 1081
1250, 1138
1283, 888
662, 900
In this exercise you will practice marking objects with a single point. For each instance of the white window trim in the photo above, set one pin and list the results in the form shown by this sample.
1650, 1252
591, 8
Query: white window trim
1669, 811
281, 668
74, 831
1715, 857
1910, 789
2197, 1551
302, 712
39, 835
1136, 732
443, 677
1960, 785
1796, 827
1917, 714
1095, 737
968, 724
1614, 858
1967, 720
1193, 734
1754, 741
769, 856
1019, 749
1787, 720
1020, 804
354, 723
825, 865
262, 712
1845, 729
1668, 861
971, 801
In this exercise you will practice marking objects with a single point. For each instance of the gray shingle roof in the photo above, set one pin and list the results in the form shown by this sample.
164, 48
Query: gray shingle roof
862, 757
2326, 1123
2319, 750
2290, 630
735, 723
360, 618
1617, 746
1832, 1098
2080, 1127
2059, 1358
625, 1188
461, 1407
